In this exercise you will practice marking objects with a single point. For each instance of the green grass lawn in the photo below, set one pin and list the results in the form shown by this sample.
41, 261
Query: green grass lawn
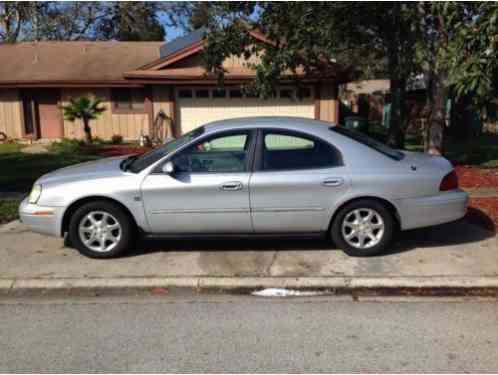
19, 170
7, 148
479, 151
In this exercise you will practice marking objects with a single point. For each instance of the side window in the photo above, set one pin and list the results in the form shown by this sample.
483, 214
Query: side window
220, 154
276, 142
288, 151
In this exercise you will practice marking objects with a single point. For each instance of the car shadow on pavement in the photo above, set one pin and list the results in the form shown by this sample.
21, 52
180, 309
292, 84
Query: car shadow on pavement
475, 227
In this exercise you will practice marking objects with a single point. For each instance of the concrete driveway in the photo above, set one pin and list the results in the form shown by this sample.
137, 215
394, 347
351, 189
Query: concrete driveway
457, 249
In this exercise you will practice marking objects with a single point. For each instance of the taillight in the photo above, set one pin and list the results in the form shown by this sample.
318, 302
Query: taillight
449, 182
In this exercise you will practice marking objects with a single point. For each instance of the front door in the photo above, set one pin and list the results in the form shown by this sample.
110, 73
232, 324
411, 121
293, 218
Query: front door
297, 182
49, 114
209, 190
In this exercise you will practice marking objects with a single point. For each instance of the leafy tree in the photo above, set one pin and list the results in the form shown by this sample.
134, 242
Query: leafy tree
133, 21
54, 20
432, 56
473, 67
13, 17
439, 49
84, 108
313, 36
200, 15
77, 20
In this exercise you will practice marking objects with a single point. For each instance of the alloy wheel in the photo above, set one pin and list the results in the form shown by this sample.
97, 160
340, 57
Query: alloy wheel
363, 228
100, 231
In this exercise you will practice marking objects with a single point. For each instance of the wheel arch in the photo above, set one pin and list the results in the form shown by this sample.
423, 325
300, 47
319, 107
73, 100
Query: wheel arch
82, 201
386, 202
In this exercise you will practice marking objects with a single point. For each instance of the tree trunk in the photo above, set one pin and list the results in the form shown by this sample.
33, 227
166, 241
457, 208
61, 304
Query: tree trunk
437, 120
396, 135
88, 131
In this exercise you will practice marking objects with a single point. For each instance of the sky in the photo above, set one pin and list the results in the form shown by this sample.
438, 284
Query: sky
172, 32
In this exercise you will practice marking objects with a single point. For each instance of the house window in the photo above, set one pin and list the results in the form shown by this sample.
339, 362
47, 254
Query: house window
286, 93
235, 94
219, 93
128, 100
304, 93
185, 93
202, 93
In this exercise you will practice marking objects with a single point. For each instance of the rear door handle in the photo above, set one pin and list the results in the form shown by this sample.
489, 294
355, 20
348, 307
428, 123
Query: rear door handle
231, 186
333, 181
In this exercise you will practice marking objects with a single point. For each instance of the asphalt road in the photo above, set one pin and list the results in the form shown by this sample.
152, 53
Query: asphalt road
246, 334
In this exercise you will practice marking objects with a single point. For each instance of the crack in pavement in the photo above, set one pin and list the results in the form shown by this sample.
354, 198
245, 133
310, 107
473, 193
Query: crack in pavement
272, 261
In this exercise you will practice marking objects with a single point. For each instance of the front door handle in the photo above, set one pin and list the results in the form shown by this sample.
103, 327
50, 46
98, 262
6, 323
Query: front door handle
333, 181
231, 186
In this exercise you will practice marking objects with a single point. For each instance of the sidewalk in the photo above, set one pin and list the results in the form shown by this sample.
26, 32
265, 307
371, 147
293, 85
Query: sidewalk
458, 255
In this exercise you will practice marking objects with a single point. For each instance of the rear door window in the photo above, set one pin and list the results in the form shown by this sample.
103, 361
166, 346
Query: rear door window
289, 151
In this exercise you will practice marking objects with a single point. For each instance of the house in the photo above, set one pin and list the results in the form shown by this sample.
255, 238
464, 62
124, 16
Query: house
137, 81
366, 97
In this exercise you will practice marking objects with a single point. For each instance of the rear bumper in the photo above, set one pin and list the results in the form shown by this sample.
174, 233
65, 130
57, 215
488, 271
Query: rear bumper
40, 219
438, 209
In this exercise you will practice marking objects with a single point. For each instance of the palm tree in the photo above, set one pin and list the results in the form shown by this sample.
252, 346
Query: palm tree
85, 108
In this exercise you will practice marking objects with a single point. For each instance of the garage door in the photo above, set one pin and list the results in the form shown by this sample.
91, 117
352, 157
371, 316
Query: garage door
198, 106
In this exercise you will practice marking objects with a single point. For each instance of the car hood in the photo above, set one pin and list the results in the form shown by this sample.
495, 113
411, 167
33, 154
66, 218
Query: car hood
107, 167
426, 161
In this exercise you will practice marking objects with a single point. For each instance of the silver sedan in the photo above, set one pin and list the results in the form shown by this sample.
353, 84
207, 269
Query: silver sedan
249, 176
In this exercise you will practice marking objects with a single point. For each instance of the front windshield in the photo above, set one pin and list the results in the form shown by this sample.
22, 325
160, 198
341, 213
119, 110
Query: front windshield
145, 160
370, 142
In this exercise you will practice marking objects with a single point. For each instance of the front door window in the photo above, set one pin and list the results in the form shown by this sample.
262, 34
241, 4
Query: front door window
220, 154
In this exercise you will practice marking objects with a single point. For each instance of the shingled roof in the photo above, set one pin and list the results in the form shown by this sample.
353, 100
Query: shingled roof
112, 63
73, 61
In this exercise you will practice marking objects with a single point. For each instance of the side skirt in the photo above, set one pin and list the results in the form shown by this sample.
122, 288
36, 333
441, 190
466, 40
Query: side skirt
313, 235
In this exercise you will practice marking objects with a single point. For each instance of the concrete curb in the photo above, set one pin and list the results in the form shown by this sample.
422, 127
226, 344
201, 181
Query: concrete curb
383, 285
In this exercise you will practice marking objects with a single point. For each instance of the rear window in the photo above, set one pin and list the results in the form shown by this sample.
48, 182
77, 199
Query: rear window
370, 142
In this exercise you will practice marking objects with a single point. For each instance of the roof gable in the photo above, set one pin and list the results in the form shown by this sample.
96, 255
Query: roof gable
187, 46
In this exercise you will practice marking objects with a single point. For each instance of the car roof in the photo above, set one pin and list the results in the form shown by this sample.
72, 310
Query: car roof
276, 122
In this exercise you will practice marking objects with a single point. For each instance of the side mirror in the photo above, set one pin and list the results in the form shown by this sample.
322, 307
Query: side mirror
168, 167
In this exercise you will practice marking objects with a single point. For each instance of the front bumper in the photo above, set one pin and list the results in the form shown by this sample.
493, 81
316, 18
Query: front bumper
438, 209
40, 219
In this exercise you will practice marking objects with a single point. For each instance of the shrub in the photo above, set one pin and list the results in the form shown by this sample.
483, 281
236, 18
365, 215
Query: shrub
117, 139
97, 141
8, 210
66, 146
85, 108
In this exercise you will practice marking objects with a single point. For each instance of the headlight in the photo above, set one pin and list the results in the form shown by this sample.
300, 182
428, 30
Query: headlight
35, 194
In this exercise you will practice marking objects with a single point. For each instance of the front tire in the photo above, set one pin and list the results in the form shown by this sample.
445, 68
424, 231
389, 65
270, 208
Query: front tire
363, 228
100, 230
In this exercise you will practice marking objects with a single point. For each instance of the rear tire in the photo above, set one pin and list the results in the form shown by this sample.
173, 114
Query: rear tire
101, 230
363, 228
